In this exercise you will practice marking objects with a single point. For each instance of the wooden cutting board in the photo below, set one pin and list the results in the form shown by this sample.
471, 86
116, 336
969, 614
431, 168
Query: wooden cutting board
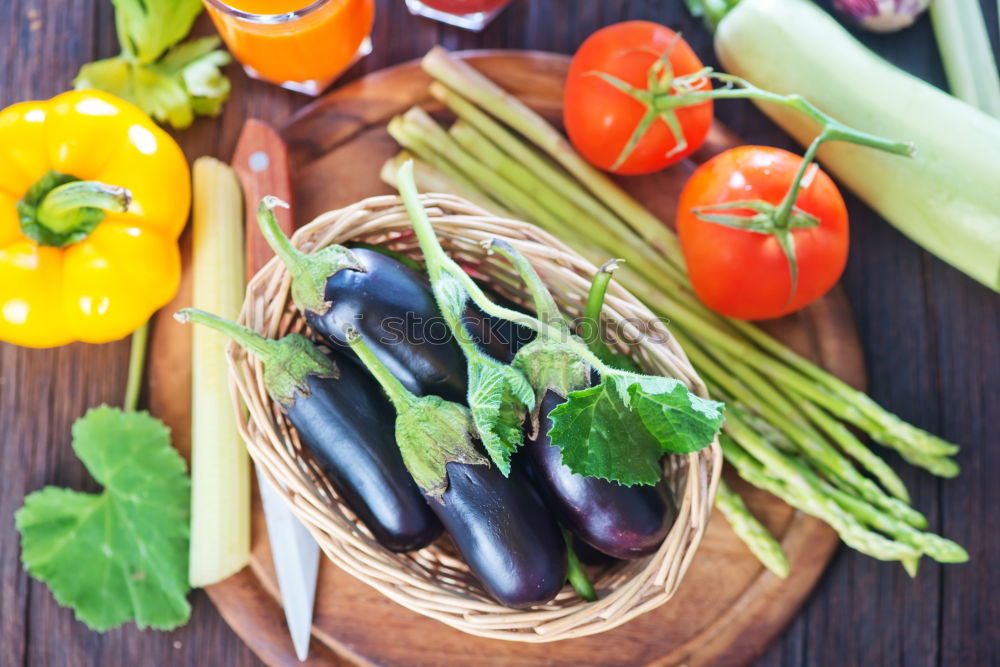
728, 608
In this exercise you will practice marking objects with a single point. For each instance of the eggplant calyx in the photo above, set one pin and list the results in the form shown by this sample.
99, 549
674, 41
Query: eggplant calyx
430, 431
288, 362
551, 366
310, 272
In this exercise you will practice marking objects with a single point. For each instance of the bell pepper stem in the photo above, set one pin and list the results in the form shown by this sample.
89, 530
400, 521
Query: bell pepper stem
61, 209
136, 366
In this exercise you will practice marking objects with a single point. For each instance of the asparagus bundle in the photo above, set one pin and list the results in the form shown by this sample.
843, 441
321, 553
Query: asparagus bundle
785, 432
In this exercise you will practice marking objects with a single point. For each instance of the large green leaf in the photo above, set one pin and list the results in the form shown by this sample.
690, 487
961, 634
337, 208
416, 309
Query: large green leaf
121, 554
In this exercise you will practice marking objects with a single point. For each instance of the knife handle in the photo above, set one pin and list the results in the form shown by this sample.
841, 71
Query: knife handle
261, 159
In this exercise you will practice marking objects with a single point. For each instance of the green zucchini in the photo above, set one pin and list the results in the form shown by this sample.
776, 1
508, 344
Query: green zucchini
947, 197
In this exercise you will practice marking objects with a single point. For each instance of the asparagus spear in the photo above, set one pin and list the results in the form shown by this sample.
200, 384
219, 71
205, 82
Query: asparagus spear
785, 481
746, 526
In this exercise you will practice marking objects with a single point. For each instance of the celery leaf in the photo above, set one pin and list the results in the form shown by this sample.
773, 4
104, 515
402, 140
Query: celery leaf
147, 28
188, 81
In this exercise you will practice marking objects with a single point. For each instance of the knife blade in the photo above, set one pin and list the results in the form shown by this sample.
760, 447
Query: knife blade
261, 160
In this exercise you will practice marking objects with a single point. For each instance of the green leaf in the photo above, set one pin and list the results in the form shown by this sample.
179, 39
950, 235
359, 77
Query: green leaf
601, 437
431, 433
147, 28
188, 81
619, 429
499, 397
682, 422
121, 554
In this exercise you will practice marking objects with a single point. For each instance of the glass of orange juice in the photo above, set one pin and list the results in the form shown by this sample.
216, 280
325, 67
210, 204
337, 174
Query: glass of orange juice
297, 44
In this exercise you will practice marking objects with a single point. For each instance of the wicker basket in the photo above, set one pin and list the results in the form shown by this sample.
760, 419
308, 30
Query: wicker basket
434, 581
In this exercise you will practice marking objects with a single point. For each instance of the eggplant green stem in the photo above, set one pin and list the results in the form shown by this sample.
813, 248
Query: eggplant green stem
292, 257
545, 306
247, 338
309, 271
136, 367
590, 326
439, 263
398, 394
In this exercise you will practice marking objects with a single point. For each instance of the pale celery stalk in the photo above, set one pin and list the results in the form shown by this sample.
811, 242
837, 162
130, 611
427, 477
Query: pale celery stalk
965, 49
220, 467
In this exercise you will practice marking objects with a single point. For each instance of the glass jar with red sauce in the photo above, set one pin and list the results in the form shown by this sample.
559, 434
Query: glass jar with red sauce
468, 14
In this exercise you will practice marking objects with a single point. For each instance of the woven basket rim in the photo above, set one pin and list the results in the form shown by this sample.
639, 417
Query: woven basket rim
433, 581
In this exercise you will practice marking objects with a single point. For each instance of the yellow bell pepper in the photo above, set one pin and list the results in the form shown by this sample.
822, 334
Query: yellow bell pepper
93, 196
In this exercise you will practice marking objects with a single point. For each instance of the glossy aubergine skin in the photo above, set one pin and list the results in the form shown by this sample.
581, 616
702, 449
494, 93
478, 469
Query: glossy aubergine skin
393, 309
347, 425
505, 533
620, 521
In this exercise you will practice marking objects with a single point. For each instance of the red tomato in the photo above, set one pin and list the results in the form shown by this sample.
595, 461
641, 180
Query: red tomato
746, 274
600, 119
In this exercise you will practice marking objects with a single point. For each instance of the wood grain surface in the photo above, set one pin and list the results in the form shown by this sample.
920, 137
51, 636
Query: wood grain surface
929, 335
728, 609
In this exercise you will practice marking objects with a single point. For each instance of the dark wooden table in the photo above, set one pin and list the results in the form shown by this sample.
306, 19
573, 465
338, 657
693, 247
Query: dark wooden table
930, 335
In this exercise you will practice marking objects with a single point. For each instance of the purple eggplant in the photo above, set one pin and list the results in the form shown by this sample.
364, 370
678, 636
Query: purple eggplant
499, 524
340, 413
392, 306
388, 303
505, 534
342, 422
620, 521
